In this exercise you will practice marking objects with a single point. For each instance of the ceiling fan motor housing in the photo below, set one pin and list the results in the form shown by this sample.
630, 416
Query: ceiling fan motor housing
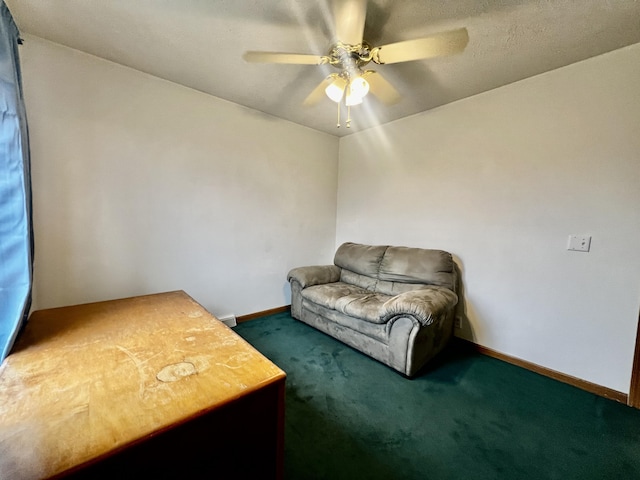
350, 58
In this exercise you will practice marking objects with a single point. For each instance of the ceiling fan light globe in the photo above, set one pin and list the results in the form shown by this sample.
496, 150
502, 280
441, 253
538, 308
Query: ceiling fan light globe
359, 87
334, 93
335, 90
352, 100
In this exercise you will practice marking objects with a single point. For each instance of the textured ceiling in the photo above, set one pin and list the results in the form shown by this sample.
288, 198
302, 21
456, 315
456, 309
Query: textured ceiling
199, 44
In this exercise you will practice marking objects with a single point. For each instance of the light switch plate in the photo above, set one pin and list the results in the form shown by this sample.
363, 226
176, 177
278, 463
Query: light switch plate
579, 243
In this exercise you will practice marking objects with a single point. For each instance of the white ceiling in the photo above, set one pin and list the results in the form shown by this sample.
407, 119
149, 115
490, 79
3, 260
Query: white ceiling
199, 44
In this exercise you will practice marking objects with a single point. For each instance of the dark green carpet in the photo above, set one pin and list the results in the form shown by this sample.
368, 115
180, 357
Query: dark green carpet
466, 416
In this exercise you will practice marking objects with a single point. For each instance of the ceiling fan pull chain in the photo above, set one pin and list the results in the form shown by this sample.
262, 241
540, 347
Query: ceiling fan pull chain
338, 124
348, 116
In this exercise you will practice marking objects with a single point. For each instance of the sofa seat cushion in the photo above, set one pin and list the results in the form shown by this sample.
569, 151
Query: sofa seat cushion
348, 299
335, 321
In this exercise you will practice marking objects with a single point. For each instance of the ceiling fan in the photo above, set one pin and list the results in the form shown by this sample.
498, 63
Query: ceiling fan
350, 54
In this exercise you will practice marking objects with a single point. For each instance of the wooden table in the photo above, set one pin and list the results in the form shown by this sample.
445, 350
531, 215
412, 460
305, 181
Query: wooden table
151, 385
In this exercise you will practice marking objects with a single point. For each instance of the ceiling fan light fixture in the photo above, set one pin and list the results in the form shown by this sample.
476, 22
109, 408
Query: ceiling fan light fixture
357, 90
358, 87
335, 90
352, 100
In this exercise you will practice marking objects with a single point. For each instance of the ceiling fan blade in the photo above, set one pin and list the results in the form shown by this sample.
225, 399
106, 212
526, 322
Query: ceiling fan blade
438, 45
318, 93
381, 88
349, 16
292, 58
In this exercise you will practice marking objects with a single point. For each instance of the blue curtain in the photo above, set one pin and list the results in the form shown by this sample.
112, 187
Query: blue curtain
16, 229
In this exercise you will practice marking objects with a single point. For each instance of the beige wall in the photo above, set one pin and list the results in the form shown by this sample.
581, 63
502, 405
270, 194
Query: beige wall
141, 186
500, 180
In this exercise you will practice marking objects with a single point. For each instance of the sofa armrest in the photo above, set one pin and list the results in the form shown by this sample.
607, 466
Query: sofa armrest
314, 275
425, 304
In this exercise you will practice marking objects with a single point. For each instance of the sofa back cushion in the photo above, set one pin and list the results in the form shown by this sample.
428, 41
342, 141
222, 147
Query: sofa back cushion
417, 266
361, 259
394, 270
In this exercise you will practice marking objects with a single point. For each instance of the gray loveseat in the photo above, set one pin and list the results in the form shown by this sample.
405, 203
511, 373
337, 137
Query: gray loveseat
395, 304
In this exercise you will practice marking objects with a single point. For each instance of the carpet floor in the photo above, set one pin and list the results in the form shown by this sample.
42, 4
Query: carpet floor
465, 416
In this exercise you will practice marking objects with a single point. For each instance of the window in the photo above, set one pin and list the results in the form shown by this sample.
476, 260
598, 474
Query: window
16, 230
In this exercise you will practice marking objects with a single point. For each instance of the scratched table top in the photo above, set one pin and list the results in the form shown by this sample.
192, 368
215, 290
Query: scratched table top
86, 380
